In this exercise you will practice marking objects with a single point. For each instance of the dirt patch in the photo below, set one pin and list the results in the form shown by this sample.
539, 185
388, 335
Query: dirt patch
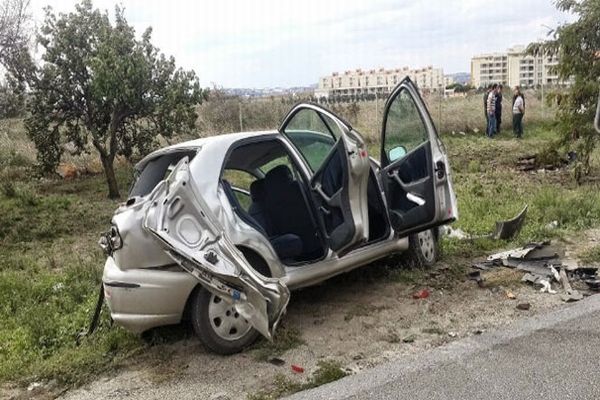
360, 319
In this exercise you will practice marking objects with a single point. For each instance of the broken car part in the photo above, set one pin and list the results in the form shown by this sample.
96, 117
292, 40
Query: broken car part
510, 228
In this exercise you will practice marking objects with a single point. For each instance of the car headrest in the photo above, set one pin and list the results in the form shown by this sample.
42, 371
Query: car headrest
257, 190
280, 175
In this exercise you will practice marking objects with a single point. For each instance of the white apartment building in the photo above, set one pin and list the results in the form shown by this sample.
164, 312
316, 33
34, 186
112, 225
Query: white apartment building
377, 81
513, 68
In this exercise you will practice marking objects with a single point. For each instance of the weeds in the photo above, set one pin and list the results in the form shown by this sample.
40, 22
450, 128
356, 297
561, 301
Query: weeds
591, 255
327, 371
285, 339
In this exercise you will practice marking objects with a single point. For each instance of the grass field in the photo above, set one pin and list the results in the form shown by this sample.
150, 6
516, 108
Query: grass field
50, 264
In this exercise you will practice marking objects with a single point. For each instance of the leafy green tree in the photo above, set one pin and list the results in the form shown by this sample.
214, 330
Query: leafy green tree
577, 45
99, 86
12, 99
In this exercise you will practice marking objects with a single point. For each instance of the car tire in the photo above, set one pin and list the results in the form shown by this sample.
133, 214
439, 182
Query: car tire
210, 317
423, 249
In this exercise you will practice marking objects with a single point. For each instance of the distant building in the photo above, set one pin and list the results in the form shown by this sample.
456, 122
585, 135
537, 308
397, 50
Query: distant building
377, 81
513, 68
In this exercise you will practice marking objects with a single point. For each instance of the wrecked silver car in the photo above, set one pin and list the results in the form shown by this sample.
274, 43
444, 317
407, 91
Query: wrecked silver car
222, 228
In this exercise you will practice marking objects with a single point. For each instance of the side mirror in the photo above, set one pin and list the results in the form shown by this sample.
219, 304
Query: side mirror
396, 153
597, 119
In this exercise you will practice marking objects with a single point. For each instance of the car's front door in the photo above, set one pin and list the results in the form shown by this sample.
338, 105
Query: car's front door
339, 165
415, 172
192, 236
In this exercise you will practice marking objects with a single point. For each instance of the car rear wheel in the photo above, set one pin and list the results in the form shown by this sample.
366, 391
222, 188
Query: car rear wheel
218, 325
423, 248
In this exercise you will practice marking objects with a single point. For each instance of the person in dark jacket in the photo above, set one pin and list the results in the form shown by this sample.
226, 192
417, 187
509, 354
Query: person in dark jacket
498, 108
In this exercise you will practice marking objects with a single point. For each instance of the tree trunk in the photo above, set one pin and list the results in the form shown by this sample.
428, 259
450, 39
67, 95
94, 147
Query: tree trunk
111, 179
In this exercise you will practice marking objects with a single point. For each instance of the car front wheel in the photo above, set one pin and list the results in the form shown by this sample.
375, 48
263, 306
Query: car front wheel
423, 250
218, 325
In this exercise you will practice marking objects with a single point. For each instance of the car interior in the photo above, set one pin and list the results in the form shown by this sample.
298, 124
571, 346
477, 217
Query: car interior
266, 191
278, 205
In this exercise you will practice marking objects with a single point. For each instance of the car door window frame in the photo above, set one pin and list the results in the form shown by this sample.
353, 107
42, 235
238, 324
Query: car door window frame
384, 159
321, 112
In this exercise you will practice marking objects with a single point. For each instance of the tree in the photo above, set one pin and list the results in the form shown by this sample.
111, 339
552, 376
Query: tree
12, 100
577, 46
99, 85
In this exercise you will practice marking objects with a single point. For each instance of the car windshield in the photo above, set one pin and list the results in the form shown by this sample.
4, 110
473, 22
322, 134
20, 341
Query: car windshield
155, 171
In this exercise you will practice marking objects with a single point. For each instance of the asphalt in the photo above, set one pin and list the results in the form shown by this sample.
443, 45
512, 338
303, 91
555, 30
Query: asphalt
549, 356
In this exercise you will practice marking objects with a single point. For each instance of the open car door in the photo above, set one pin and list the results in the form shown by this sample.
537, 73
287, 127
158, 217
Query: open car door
415, 172
192, 236
339, 163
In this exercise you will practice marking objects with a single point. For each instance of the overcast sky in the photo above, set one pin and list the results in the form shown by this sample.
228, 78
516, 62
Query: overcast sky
268, 43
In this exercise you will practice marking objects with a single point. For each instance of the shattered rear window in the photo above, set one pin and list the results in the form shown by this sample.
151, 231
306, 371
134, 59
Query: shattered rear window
155, 171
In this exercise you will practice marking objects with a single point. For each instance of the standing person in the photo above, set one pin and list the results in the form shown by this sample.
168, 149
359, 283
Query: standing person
485, 99
518, 112
491, 111
498, 108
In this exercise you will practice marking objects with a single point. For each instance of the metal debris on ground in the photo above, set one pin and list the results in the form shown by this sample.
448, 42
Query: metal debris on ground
510, 228
542, 264
276, 361
503, 230
523, 306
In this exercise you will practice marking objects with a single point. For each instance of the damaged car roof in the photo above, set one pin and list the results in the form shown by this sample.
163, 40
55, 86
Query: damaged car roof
224, 140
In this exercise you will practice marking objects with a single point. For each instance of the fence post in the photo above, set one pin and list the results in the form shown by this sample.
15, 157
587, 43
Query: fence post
240, 116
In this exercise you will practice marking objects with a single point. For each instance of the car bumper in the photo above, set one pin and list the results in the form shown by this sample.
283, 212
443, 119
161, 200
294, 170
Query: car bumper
144, 298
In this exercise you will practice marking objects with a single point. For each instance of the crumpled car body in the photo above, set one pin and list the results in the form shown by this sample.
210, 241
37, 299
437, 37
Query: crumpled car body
224, 227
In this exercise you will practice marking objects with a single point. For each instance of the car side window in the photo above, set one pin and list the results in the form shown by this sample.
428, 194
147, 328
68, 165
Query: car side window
240, 180
314, 135
405, 130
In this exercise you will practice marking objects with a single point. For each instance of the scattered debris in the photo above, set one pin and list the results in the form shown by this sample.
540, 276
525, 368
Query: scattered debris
476, 276
510, 295
409, 339
298, 369
510, 228
452, 334
523, 306
503, 230
33, 385
421, 294
276, 361
479, 331
570, 294
542, 264
552, 225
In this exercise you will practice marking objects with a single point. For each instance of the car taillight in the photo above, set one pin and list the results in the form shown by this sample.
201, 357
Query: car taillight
111, 240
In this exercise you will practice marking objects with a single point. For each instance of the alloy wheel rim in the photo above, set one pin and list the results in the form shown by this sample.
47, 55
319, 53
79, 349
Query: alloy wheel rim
427, 245
225, 320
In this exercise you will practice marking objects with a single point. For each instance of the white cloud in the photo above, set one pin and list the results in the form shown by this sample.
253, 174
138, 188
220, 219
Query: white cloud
256, 43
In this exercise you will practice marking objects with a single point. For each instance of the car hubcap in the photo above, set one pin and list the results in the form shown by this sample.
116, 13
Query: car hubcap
427, 245
227, 323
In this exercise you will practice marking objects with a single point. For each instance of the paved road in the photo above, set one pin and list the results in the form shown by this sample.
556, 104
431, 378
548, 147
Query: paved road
551, 356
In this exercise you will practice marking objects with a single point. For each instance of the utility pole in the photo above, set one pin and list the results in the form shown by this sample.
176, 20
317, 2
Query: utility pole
240, 116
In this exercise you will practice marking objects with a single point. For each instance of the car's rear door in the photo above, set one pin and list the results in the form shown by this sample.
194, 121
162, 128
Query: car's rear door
339, 164
192, 236
415, 172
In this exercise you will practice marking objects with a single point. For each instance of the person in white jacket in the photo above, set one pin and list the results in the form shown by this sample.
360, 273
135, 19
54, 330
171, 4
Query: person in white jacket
518, 112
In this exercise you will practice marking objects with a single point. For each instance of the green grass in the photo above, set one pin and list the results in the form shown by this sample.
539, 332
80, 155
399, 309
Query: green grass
50, 269
285, 339
327, 371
